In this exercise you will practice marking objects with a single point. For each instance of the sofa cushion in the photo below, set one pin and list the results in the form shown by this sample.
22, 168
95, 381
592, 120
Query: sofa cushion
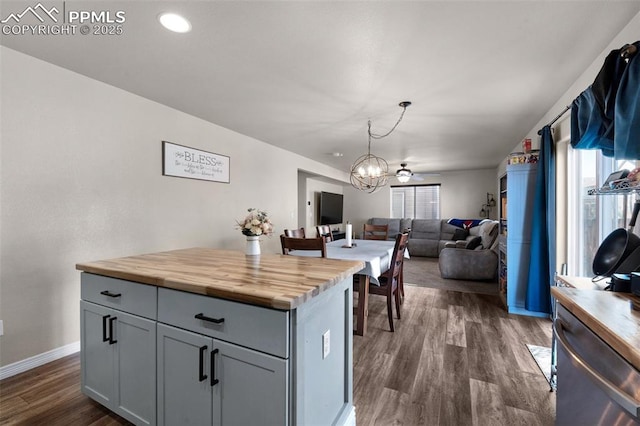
424, 247
460, 234
405, 224
426, 229
474, 243
447, 230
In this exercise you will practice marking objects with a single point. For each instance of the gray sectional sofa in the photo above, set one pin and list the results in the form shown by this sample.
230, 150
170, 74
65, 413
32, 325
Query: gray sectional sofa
428, 237
437, 238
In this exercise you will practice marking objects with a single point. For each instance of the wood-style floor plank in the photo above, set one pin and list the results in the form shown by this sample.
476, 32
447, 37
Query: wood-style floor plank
473, 366
487, 406
454, 359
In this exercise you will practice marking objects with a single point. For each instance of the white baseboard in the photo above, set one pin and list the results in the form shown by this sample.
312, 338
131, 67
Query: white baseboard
351, 419
38, 360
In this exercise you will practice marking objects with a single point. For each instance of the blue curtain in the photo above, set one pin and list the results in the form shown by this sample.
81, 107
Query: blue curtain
543, 232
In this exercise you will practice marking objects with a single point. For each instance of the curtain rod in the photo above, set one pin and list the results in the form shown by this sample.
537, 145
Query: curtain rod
567, 108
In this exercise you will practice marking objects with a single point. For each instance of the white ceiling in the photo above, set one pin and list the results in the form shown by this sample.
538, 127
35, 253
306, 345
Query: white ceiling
306, 76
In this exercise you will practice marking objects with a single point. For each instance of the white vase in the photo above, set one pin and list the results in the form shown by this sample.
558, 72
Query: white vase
253, 246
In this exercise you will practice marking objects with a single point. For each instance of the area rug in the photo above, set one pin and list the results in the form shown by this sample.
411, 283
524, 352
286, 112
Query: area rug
424, 272
542, 357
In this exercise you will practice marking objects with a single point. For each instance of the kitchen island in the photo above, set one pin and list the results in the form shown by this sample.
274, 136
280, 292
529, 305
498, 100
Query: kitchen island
598, 335
206, 336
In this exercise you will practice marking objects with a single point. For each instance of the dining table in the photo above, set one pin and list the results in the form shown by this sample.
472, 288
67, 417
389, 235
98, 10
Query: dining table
376, 254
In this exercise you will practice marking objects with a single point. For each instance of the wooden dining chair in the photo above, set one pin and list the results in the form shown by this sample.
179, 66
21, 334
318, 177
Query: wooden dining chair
325, 232
295, 233
291, 243
391, 280
375, 232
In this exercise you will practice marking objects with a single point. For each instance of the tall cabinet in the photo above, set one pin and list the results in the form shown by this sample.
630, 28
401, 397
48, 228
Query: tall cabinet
520, 191
502, 241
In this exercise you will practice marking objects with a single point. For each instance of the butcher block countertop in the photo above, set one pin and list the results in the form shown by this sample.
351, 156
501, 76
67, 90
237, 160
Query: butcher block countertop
271, 280
609, 315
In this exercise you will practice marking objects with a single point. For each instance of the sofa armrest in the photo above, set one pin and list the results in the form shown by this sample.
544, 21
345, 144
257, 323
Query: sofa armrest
463, 264
456, 244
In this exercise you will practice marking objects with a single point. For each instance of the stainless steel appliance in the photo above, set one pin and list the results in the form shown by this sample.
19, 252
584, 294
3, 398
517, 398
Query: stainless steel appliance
596, 386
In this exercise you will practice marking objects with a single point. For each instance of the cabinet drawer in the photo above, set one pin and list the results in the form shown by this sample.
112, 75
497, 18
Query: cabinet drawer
263, 329
135, 298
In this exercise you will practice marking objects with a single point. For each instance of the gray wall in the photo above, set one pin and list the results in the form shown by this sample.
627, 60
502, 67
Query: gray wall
462, 194
81, 179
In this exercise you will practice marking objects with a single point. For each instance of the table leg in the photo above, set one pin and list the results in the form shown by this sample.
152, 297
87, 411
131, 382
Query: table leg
363, 304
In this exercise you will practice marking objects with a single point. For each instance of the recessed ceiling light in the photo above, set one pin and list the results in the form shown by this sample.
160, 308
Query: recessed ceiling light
174, 22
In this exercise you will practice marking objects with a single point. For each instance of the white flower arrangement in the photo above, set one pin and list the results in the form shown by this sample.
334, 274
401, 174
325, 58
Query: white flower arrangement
256, 223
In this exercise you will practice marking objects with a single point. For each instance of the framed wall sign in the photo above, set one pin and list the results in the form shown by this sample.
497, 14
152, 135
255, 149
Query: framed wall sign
182, 161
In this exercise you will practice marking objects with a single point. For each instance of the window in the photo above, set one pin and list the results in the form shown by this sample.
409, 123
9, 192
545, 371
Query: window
591, 217
415, 201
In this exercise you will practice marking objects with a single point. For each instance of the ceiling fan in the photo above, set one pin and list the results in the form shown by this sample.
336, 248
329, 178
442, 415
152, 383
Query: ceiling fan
404, 175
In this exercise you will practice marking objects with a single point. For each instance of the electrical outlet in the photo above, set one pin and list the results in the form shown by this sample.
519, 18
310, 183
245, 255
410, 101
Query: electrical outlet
326, 344
1, 328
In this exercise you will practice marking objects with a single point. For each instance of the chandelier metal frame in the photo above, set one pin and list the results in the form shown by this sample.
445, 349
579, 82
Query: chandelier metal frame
369, 172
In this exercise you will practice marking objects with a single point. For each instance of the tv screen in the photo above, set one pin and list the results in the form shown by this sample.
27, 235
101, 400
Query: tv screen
330, 208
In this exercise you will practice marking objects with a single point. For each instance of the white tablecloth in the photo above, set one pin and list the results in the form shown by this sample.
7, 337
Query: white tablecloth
375, 253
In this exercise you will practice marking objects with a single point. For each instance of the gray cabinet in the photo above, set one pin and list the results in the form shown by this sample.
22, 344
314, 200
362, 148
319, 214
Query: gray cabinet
118, 346
252, 385
118, 361
206, 381
157, 355
184, 388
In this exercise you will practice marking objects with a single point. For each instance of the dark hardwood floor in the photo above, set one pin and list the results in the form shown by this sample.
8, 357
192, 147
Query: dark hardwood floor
455, 359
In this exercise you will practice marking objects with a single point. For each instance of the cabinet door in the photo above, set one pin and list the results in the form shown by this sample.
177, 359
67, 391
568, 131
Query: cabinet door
184, 388
252, 388
135, 367
96, 355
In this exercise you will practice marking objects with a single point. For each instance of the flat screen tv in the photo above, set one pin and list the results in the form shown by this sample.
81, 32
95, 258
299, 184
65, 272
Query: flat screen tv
330, 208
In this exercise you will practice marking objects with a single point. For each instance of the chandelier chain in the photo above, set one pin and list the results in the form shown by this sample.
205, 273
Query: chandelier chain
375, 136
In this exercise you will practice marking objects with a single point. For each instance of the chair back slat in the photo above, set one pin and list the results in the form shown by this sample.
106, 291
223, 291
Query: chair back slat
375, 232
291, 243
295, 233
395, 268
324, 231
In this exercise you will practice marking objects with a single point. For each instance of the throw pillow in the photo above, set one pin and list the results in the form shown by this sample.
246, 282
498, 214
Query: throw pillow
475, 242
460, 234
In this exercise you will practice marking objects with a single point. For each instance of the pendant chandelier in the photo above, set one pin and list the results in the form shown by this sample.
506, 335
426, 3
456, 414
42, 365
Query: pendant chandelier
369, 172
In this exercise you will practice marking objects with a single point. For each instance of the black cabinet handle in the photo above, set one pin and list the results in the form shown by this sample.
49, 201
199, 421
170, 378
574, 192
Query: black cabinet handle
214, 381
108, 293
201, 376
209, 319
104, 328
111, 339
